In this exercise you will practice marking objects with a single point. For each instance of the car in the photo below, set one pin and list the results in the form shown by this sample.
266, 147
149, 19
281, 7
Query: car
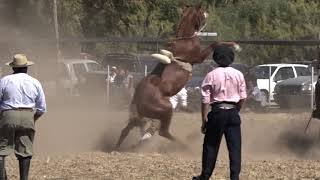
65, 77
77, 67
278, 73
243, 68
148, 62
295, 92
129, 61
139, 65
200, 71
135, 63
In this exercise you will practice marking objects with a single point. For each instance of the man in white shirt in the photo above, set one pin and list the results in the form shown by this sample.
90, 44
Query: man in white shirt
113, 74
22, 102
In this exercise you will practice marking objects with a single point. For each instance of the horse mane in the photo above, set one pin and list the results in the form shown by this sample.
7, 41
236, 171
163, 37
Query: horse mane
190, 21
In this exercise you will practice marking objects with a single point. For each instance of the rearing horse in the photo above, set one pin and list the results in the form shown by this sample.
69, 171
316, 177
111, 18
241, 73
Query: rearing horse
151, 97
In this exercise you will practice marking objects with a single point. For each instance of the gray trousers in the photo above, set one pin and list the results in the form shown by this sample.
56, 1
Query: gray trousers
17, 133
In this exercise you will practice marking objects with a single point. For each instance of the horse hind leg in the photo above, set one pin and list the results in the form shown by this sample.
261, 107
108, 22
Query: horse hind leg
160, 124
124, 133
147, 134
153, 126
164, 129
165, 122
133, 119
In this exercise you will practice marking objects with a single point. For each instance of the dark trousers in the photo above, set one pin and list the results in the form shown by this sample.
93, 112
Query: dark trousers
227, 122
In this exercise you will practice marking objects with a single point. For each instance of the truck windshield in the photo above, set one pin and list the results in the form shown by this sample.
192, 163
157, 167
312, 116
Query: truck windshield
262, 72
94, 67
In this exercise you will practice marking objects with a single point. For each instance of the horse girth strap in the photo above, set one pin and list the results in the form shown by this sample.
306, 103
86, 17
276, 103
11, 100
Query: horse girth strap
184, 65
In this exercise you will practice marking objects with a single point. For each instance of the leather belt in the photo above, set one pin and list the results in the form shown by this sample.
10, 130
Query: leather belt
224, 105
19, 109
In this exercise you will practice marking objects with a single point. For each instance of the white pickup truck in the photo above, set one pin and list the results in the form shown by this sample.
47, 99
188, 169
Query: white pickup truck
279, 72
66, 76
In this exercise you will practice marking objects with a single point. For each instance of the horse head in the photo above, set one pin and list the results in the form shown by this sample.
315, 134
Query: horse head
192, 20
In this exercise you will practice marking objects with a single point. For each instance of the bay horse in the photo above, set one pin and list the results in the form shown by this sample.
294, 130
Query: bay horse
151, 97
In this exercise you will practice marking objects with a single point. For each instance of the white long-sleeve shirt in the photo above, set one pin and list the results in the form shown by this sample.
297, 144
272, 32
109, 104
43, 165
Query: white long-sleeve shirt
21, 91
180, 97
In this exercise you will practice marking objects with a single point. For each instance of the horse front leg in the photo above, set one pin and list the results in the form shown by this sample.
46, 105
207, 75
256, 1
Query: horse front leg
206, 52
203, 54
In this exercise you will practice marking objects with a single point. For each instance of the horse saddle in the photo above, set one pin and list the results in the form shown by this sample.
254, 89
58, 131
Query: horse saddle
166, 57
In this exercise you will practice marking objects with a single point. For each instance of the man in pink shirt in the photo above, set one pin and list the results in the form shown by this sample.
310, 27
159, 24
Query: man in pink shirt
223, 89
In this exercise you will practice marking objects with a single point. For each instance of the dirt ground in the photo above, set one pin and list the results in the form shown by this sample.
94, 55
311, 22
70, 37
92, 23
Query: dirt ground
76, 142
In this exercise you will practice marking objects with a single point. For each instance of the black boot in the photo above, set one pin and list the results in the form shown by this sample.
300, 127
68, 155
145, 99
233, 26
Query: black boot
24, 164
200, 178
3, 174
196, 178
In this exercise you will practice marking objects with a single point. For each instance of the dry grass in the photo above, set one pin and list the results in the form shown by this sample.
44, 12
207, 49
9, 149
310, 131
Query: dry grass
98, 165
76, 143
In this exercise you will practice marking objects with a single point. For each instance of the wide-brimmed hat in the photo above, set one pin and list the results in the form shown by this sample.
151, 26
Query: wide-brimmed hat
223, 55
19, 60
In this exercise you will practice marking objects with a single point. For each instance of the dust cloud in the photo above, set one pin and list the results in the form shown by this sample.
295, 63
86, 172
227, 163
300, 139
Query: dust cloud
87, 123
85, 126
303, 144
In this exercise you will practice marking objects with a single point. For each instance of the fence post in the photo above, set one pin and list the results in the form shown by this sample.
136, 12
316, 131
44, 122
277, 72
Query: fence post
269, 98
157, 47
108, 84
312, 72
145, 70
56, 29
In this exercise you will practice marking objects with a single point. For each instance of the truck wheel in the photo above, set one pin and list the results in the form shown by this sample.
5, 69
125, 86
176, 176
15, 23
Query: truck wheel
283, 104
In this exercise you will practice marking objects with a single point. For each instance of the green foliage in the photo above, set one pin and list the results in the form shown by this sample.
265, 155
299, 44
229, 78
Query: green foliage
232, 19
267, 20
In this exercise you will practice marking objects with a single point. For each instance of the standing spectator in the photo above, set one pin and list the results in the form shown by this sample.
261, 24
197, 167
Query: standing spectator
124, 86
181, 98
22, 102
113, 74
254, 99
112, 78
224, 90
119, 78
128, 83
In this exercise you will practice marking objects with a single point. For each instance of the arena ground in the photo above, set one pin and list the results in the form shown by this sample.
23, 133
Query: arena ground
77, 143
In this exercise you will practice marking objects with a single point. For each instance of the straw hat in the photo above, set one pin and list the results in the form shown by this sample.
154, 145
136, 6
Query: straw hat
20, 60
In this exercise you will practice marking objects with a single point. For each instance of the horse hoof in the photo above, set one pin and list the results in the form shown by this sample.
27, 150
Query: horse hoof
162, 58
237, 48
